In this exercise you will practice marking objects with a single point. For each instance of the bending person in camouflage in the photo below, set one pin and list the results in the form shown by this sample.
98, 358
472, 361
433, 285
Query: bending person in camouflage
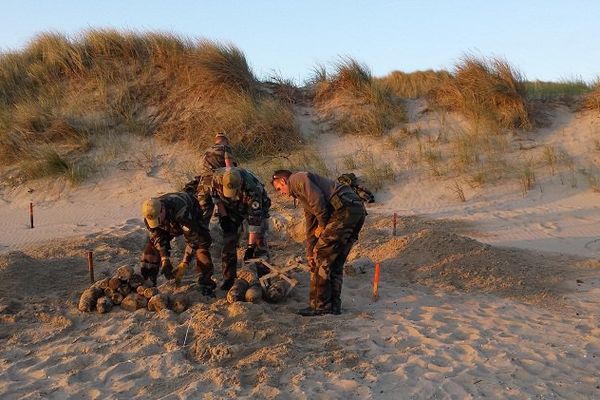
239, 196
217, 156
166, 217
334, 215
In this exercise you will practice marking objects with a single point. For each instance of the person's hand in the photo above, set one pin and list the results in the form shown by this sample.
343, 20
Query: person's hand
180, 272
319, 230
166, 268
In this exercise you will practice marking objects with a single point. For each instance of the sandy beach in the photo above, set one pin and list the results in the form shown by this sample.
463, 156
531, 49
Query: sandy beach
495, 297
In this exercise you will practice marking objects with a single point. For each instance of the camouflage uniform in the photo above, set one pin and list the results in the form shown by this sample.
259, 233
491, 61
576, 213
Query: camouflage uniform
213, 158
252, 204
341, 213
182, 217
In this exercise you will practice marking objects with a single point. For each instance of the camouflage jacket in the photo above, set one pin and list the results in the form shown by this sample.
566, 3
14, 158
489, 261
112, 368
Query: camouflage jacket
252, 204
214, 158
316, 195
182, 218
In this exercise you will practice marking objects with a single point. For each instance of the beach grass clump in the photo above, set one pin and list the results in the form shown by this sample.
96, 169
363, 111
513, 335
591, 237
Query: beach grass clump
412, 85
354, 101
490, 93
592, 99
60, 91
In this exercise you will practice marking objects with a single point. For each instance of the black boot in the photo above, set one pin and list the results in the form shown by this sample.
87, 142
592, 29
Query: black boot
311, 312
227, 284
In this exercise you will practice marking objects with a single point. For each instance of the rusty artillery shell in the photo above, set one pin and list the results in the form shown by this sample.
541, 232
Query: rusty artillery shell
158, 302
124, 273
124, 289
237, 291
150, 292
88, 299
140, 290
116, 298
254, 294
134, 301
114, 283
104, 305
102, 283
179, 303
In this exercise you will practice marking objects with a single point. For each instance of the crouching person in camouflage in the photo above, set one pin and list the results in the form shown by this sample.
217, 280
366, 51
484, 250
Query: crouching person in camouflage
334, 215
166, 217
239, 196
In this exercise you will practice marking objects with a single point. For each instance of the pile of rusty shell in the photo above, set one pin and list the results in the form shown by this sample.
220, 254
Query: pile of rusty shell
158, 302
88, 299
179, 303
133, 302
104, 305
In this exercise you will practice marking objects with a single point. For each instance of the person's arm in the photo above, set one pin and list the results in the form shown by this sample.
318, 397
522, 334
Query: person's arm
314, 198
311, 224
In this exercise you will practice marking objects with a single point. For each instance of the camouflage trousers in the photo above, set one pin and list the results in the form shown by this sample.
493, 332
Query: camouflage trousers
231, 238
204, 266
330, 253
207, 206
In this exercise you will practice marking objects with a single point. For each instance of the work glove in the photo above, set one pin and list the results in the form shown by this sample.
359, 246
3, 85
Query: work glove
319, 230
180, 272
166, 268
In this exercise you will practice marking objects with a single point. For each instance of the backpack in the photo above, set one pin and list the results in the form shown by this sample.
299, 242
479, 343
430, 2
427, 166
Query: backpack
362, 192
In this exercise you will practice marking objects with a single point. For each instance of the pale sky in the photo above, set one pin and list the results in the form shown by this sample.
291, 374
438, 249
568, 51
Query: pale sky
544, 39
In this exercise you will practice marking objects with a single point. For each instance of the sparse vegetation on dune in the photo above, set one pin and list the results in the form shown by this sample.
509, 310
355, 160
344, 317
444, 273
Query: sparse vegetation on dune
490, 93
59, 91
412, 85
592, 99
354, 101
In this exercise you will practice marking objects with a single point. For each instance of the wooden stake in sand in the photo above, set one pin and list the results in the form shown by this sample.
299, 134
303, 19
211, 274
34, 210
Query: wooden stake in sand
31, 214
376, 283
394, 222
90, 257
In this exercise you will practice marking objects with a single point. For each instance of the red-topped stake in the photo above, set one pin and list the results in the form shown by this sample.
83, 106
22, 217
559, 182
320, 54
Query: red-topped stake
376, 283
90, 257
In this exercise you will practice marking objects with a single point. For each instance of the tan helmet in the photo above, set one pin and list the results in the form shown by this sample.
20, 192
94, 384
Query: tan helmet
151, 212
232, 182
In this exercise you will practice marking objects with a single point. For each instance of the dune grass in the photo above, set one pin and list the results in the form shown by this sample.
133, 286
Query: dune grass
354, 101
564, 90
61, 91
490, 93
412, 85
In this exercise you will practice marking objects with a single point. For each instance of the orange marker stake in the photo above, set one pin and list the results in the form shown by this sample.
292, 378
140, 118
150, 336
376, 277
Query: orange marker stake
395, 219
31, 215
376, 283
90, 257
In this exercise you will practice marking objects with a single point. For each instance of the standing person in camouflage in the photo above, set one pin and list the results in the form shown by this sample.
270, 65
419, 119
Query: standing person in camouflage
219, 155
239, 196
334, 216
166, 217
